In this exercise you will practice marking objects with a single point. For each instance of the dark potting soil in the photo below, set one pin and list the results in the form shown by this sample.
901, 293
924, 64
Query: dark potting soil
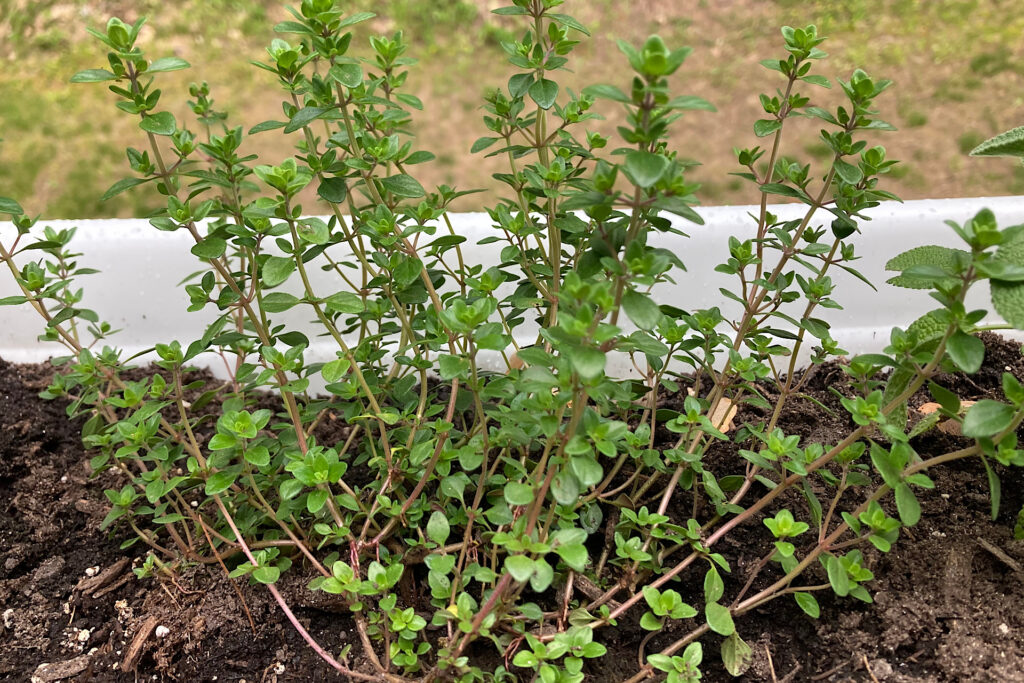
947, 599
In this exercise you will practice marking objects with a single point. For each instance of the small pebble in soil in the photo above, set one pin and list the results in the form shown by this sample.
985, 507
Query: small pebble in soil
92, 571
1004, 629
64, 479
279, 667
83, 635
162, 631
8, 618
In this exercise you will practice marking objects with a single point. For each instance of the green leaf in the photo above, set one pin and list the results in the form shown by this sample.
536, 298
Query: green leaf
293, 27
966, 351
782, 190
519, 566
220, 481
837, 576
167, 64
850, 174
719, 619
438, 528
349, 75
641, 309
344, 302
403, 185
266, 574
995, 490
277, 269
649, 622
481, 144
907, 505
9, 206
645, 168
357, 18
119, 187
1008, 300
765, 127
517, 493
1008, 144
808, 604
209, 248
12, 300
333, 190
736, 655
608, 92
335, 369
313, 230
986, 418
162, 123
276, 302
222, 441
944, 258
568, 22
267, 125
450, 367
714, 587
93, 76
587, 362
544, 93
574, 555
316, 500
689, 103
304, 117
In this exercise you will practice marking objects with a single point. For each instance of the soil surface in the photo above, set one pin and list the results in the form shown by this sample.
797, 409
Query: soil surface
946, 599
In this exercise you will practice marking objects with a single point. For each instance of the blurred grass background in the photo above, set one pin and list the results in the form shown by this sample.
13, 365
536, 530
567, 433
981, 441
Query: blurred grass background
958, 67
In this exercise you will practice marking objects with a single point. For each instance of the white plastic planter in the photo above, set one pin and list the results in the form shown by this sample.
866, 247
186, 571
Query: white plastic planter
137, 289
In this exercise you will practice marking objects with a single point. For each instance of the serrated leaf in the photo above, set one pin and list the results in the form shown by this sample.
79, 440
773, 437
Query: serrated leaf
943, 258
1008, 144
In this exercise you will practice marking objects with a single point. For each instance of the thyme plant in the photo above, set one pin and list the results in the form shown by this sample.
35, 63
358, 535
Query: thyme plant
536, 506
